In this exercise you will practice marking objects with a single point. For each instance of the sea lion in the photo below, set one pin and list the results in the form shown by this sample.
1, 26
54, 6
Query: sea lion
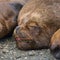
37, 22
23, 2
9, 11
55, 44
8, 17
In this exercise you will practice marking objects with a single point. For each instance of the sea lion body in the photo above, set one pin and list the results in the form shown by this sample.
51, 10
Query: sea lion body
8, 17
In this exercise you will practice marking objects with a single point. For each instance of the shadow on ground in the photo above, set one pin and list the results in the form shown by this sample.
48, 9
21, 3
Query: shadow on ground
8, 51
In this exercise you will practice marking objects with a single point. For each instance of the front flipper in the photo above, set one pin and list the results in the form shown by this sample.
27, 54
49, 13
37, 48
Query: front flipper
55, 44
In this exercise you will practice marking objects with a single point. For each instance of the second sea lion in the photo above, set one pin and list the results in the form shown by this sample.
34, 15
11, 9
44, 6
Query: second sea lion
8, 17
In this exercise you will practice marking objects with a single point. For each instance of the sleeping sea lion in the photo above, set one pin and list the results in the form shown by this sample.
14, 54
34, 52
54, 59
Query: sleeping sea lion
37, 22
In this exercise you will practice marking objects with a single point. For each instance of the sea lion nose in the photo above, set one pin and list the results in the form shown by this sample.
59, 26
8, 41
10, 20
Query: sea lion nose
21, 33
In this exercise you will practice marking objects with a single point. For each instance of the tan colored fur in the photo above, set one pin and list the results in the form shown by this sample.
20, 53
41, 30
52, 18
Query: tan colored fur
45, 14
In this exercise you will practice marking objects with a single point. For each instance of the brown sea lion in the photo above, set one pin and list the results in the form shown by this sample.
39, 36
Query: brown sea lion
37, 21
55, 44
8, 16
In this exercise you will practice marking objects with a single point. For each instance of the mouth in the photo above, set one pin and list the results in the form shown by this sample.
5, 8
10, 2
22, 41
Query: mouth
25, 43
22, 39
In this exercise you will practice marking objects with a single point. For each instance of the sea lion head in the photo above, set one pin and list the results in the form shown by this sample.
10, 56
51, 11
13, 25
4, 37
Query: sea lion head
32, 32
27, 35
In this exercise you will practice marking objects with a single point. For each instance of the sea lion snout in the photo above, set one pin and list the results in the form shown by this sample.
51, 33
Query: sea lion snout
21, 33
23, 39
55, 44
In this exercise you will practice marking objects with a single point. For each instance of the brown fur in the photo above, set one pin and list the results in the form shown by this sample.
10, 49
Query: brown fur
55, 44
8, 15
37, 21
